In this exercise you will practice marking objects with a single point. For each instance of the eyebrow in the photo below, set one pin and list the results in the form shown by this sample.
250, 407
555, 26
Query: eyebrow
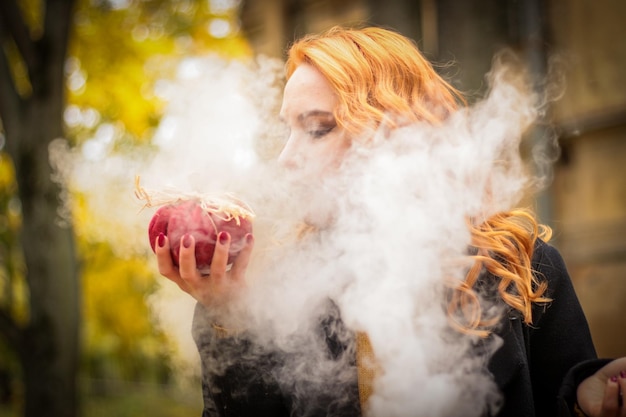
311, 113
314, 113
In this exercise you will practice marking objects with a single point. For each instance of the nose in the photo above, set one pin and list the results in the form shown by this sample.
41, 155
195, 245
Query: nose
288, 155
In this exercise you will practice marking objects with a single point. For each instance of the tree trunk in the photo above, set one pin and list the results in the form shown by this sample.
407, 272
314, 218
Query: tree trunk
48, 345
49, 349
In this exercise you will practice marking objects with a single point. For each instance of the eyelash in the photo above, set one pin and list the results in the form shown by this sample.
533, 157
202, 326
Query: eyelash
317, 134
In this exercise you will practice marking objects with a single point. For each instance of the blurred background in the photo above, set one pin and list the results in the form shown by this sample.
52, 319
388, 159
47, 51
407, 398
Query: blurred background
72, 309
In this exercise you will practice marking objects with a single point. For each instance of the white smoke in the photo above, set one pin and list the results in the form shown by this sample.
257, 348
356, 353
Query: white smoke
399, 208
397, 224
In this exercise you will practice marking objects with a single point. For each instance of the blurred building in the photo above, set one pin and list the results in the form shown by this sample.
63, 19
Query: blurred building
577, 41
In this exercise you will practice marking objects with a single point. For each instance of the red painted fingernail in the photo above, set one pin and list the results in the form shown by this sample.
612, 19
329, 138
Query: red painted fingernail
622, 374
223, 237
614, 378
161, 240
187, 240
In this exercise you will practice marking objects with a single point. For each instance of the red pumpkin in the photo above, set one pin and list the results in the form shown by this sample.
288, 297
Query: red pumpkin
204, 223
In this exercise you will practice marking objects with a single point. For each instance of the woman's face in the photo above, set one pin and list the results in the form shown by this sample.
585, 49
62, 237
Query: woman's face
316, 144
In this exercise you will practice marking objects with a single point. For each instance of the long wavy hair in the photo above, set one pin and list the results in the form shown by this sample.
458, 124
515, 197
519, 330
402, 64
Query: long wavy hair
379, 77
382, 79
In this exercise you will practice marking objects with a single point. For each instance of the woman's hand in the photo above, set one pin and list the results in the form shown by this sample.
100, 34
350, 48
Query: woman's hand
602, 394
216, 289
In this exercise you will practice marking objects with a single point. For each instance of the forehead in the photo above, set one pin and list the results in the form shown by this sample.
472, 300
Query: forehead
308, 89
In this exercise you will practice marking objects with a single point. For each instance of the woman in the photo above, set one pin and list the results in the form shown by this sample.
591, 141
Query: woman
343, 87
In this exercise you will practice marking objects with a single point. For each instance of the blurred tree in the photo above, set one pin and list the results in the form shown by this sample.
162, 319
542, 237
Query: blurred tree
31, 108
92, 54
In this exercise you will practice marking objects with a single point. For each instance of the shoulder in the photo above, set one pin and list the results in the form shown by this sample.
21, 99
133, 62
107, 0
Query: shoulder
546, 256
562, 313
548, 265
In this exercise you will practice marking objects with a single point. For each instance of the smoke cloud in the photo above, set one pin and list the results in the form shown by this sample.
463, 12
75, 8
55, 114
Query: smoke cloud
389, 228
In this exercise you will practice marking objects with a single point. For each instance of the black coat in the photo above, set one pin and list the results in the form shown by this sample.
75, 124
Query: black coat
537, 368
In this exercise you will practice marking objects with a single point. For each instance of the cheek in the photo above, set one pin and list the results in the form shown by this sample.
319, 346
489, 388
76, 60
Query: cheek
337, 150
314, 158
328, 158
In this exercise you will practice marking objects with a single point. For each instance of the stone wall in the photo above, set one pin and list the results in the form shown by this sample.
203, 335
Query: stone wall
588, 48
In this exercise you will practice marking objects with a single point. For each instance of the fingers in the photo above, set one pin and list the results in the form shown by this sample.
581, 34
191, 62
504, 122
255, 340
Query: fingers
219, 263
621, 381
164, 259
612, 403
187, 260
165, 263
187, 257
243, 259
613, 368
220, 284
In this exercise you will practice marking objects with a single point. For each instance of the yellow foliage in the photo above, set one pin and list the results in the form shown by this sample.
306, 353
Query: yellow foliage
115, 291
14, 293
18, 71
7, 174
114, 61
119, 324
32, 11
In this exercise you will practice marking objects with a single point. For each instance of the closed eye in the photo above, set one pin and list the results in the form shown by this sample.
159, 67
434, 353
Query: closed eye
320, 133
